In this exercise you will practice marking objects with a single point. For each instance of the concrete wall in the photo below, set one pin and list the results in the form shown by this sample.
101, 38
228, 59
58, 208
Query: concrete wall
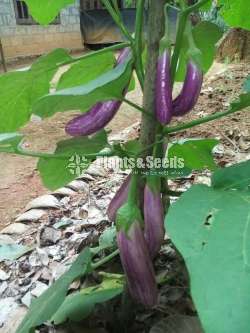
29, 40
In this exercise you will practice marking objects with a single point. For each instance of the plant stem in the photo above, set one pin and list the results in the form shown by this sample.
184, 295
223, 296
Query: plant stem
91, 54
20, 151
86, 56
155, 33
105, 259
196, 122
137, 107
117, 18
138, 41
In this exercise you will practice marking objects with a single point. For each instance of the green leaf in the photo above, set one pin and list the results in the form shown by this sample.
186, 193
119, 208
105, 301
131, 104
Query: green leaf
45, 11
20, 89
10, 141
197, 154
106, 87
235, 177
107, 240
79, 305
236, 13
44, 307
69, 159
13, 251
87, 70
206, 35
210, 228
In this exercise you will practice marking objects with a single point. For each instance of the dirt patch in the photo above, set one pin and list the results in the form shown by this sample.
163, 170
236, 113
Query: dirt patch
20, 180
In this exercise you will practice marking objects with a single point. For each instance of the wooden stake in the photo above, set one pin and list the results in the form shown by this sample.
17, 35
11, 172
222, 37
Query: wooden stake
2, 57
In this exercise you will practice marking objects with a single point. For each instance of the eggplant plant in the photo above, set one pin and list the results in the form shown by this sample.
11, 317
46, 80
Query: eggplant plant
141, 205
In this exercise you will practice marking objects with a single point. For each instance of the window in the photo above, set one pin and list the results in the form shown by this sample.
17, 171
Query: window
91, 4
23, 16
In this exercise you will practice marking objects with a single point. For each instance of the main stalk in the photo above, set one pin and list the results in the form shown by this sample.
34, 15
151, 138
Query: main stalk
155, 32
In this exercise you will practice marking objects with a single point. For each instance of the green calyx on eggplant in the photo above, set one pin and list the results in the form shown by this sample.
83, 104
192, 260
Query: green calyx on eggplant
137, 265
121, 197
100, 114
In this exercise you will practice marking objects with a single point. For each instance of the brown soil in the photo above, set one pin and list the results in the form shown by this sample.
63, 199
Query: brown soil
20, 181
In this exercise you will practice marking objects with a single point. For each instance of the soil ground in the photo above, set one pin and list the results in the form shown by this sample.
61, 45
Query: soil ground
19, 178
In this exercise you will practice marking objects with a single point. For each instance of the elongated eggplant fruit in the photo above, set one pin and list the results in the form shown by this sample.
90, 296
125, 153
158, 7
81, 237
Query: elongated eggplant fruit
137, 265
153, 220
163, 90
94, 120
119, 199
99, 115
191, 89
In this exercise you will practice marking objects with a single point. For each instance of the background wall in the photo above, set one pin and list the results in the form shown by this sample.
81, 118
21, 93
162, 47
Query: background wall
29, 40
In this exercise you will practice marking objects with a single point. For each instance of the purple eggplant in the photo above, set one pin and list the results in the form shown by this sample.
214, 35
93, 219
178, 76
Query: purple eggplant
94, 120
99, 115
191, 89
163, 90
137, 265
153, 220
119, 199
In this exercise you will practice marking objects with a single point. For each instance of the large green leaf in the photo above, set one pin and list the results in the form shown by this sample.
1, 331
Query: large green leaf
79, 305
43, 308
69, 159
210, 228
235, 177
45, 11
197, 154
236, 13
20, 89
206, 35
87, 70
107, 86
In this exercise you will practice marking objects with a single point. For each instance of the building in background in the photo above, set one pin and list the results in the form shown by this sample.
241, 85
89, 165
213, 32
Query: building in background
21, 36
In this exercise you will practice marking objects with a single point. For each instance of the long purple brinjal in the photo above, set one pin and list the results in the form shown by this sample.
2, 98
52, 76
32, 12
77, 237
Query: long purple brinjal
137, 265
153, 220
94, 120
99, 115
163, 96
191, 89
